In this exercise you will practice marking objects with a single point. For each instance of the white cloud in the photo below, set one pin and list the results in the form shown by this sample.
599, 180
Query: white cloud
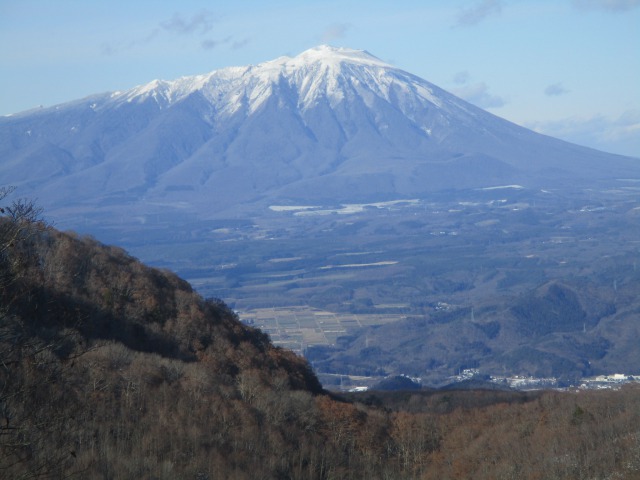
474, 15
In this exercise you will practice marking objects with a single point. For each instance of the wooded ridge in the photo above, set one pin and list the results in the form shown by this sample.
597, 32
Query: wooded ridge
111, 369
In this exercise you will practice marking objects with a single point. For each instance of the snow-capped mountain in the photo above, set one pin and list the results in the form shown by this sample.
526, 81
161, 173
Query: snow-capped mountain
330, 124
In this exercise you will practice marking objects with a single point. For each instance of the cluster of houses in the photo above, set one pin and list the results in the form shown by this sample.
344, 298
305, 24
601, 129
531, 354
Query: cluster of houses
608, 381
517, 382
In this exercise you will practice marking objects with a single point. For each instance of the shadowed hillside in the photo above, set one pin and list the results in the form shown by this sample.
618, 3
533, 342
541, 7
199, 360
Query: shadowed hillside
111, 370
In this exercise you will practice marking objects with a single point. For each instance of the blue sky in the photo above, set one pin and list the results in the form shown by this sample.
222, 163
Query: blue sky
567, 68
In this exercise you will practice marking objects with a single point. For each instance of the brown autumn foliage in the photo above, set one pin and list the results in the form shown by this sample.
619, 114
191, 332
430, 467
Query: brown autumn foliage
110, 369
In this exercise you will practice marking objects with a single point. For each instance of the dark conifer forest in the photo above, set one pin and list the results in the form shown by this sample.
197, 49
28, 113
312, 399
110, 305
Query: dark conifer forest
110, 370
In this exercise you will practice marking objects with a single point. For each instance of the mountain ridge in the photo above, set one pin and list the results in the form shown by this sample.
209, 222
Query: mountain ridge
328, 124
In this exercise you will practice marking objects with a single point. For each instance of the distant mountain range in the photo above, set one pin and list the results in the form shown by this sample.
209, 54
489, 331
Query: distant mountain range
331, 124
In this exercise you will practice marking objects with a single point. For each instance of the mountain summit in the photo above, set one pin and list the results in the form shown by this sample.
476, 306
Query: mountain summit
331, 124
313, 73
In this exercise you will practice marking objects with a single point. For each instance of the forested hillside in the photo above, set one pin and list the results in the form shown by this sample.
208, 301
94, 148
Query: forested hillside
110, 369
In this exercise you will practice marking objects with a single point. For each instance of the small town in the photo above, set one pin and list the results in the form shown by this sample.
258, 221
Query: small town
601, 382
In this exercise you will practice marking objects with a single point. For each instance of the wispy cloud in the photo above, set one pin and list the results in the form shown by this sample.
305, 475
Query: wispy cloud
461, 78
476, 93
238, 44
619, 135
114, 48
555, 90
209, 43
607, 5
334, 32
201, 22
473, 15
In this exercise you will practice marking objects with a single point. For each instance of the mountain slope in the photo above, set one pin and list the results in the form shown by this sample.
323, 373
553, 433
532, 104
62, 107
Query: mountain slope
330, 124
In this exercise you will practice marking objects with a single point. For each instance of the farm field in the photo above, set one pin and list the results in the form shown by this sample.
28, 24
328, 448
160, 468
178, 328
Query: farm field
297, 328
